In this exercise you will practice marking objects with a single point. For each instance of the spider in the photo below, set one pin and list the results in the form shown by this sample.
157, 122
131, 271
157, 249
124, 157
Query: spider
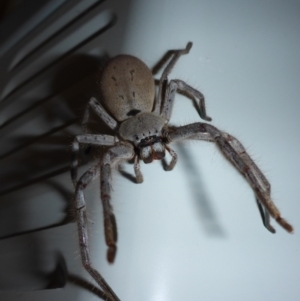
140, 121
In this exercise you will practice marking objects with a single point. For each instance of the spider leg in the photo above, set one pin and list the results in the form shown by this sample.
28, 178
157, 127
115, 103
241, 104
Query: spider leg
113, 156
233, 150
180, 86
258, 174
137, 170
80, 205
171, 165
87, 139
166, 72
100, 111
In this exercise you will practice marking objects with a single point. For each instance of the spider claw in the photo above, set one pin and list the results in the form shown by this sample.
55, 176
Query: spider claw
111, 253
270, 228
281, 221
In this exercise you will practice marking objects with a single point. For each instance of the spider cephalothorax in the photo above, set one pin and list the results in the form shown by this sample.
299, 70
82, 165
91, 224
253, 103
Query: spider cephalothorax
145, 131
140, 121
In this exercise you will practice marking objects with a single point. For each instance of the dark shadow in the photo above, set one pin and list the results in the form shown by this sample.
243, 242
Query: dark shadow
34, 158
59, 276
80, 282
69, 215
128, 176
207, 216
47, 154
36, 268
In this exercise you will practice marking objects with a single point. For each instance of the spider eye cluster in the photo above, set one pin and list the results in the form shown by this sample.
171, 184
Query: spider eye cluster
149, 141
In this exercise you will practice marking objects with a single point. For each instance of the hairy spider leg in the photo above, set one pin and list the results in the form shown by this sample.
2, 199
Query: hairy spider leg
233, 150
258, 174
164, 77
80, 205
114, 155
91, 140
177, 85
100, 111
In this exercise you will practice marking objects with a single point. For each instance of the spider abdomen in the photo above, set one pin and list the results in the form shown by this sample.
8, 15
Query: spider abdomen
127, 87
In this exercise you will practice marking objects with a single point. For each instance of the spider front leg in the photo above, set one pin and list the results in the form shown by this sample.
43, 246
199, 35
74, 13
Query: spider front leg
116, 154
137, 170
233, 150
80, 206
259, 175
91, 140
171, 165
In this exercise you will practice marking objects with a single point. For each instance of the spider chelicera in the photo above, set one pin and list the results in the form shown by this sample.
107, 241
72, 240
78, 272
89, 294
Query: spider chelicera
140, 121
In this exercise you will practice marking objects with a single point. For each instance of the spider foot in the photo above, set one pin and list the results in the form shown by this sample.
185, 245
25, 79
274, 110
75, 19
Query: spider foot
111, 253
281, 221
166, 166
270, 228
139, 179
